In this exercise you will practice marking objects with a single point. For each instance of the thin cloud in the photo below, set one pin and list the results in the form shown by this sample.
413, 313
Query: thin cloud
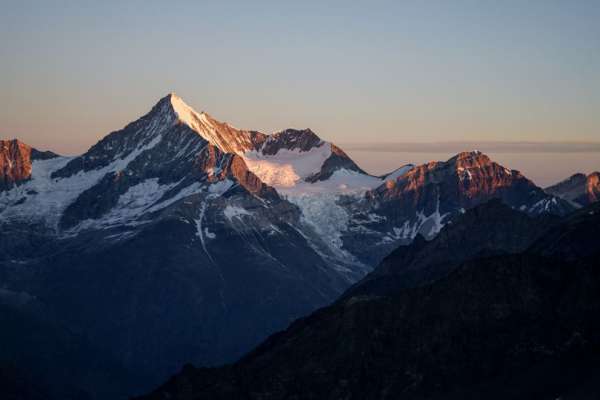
491, 147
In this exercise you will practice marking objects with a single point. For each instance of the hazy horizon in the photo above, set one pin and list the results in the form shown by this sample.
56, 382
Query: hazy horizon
545, 163
385, 72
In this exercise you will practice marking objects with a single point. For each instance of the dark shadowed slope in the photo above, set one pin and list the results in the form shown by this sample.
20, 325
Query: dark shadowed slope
489, 229
42, 359
515, 326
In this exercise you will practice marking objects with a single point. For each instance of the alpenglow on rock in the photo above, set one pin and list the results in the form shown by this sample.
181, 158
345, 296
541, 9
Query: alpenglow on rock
579, 189
180, 238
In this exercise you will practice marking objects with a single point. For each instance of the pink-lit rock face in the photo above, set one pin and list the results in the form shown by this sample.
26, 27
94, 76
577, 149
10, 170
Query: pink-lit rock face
466, 179
578, 189
15, 163
592, 187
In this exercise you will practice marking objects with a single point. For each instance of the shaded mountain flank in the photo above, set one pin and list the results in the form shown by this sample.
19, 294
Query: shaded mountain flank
519, 326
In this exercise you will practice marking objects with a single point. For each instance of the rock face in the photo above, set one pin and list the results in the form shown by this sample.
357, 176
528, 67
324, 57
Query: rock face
592, 188
15, 162
487, 230
464, 181
578, 189
422, 199
180, 238
516, 326
302, 141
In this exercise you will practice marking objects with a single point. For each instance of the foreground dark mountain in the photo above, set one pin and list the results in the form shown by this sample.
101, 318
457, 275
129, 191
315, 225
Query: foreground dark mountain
515, 326
42, 359
180, 238
579, 189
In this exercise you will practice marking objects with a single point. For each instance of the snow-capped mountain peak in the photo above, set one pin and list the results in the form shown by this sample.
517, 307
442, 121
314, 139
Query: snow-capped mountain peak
174, 152
184, 112
220, 134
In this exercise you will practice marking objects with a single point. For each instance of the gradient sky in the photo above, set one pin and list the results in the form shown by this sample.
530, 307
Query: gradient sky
395, 71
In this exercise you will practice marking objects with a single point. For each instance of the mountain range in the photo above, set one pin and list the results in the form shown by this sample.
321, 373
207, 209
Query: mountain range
514, 318
181, 239
579, 189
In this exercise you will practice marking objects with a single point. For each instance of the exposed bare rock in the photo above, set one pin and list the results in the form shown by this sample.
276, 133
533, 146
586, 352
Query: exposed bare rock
15, 162
578, 189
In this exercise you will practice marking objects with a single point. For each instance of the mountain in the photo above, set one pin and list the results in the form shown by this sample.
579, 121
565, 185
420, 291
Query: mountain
15, 162
578, 189
519, 325
160, 245
486, 230
180, 238
462, 182
422, 199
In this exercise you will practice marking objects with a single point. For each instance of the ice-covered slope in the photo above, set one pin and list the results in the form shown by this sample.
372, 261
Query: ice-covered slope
286, 168
165, 156
291, 157
317, 177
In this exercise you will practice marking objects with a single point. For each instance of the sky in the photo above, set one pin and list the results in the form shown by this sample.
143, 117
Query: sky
354, 72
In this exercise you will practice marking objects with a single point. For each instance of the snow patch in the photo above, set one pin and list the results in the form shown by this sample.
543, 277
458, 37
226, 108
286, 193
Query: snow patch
287, 167
544, 206
464, 174
231, 212
209, 234
130, 206
220, 187
46, 198
190, 190
429, 226
200, 232
342, 181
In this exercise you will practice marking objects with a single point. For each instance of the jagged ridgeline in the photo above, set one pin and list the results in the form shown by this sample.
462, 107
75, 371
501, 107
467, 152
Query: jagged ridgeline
180, 238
